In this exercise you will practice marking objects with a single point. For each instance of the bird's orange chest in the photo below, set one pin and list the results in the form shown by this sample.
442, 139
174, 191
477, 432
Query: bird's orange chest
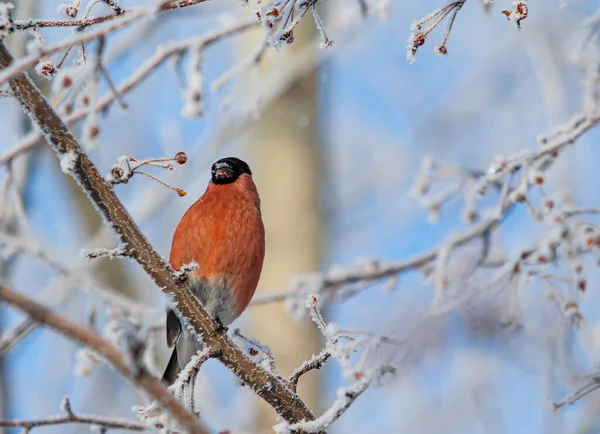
222, 232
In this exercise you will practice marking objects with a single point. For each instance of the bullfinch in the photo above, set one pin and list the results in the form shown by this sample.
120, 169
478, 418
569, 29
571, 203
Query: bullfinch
223, 234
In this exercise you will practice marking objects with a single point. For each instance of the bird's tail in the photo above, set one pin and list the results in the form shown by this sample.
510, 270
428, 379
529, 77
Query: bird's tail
172, 369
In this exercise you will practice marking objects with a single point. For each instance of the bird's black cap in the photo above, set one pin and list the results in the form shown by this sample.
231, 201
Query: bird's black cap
227, 170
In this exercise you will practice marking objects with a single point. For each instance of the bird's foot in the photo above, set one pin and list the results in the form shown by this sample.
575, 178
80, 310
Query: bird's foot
220, 329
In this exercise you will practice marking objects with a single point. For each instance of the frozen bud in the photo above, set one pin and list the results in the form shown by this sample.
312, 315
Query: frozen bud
66, 81
287, 37
418, 39
71, 11
45, 68
312, 301
542, 259
116, 173
581, 285
93, 131
181, 157
572, 313
273, 12
440, 50
549, 204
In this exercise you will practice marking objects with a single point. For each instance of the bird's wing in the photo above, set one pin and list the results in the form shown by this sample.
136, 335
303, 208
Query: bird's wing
173, 328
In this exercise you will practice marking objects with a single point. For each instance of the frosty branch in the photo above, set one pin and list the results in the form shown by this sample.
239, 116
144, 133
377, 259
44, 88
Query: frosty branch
162, 55
21, 25
136, 374
421, 29
71, 418
282, 399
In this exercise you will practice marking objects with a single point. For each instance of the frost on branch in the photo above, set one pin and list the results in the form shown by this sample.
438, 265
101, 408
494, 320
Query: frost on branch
421, 29
70, 10
67, 162
130, 333
279, 18
103, 253
6, 20
342, 345
259, 352
518, 13
183, 389
345, 398
85, 362
185, 270
44, 67
193, 93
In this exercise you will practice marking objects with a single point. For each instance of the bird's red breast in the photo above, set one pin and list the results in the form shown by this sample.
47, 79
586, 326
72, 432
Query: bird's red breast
223, 233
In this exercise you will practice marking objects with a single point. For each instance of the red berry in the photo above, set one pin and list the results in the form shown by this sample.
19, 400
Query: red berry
181, 157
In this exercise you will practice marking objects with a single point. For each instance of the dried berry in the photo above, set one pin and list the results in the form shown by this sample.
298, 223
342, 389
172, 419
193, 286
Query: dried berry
94, 131
181, 157
71, 11
66, 81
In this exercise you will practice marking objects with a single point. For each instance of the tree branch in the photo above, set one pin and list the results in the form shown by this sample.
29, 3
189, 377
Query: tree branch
316, 362
84, 336
286, 403
21, 25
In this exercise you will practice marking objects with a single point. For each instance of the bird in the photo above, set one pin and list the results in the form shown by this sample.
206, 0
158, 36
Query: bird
223, 233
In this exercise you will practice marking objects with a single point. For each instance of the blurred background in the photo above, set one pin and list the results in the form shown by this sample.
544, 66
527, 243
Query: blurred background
335, 138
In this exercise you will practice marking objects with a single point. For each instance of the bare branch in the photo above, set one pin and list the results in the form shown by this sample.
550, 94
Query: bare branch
315, 362
21, 25
72, 418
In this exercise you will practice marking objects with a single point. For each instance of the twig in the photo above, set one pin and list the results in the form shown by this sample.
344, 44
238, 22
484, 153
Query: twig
21, 25
593, 385
13, 336
72, 418
83, 419
316, 362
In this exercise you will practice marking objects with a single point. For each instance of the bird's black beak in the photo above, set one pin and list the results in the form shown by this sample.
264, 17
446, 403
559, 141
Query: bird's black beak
223, 173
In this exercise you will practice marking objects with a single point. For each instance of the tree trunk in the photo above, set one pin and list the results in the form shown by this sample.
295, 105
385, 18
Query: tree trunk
285, 156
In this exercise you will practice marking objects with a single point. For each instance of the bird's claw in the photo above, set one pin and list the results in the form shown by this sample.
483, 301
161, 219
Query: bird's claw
220, 329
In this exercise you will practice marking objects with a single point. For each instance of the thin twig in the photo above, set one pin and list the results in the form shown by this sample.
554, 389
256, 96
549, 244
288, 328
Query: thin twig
316, 362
